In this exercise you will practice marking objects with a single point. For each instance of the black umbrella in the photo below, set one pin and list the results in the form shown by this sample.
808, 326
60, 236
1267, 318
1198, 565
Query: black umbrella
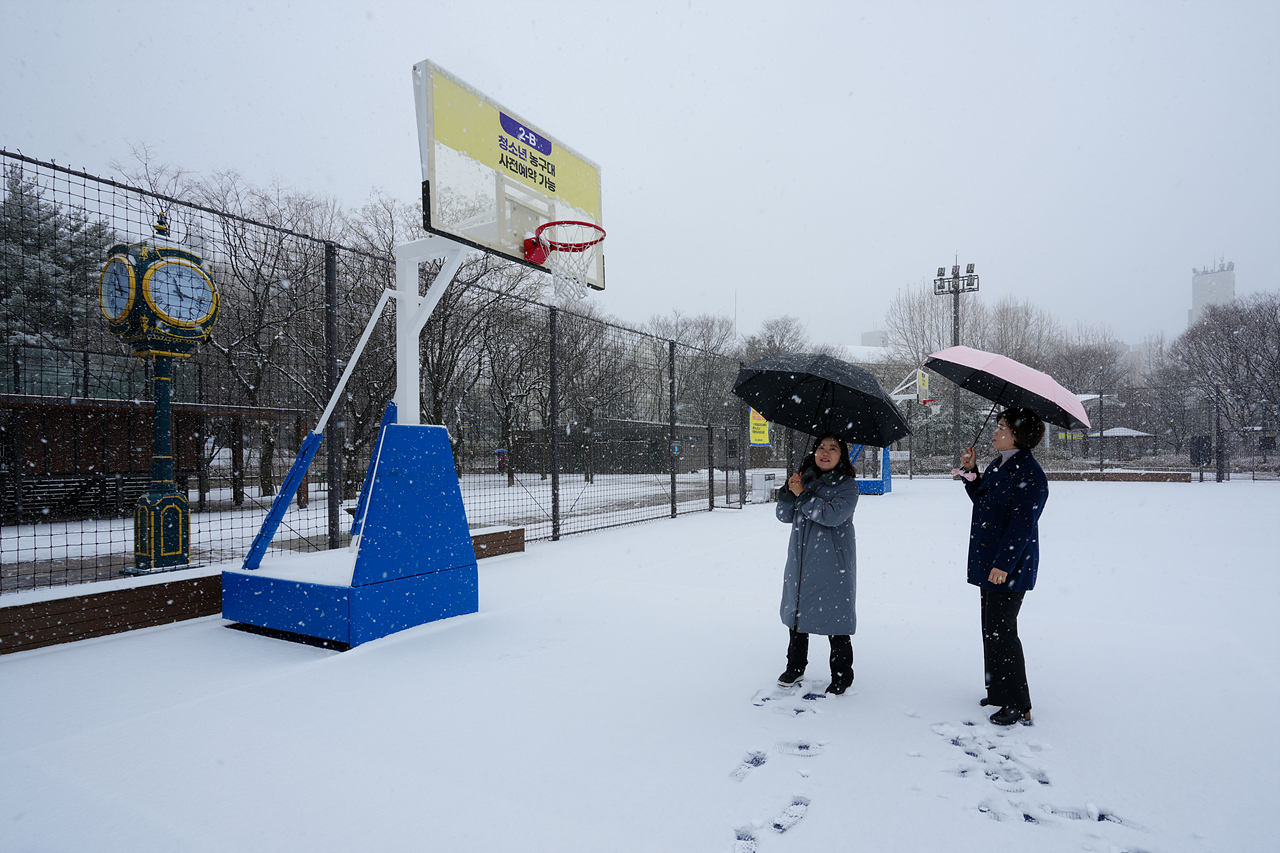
817, 394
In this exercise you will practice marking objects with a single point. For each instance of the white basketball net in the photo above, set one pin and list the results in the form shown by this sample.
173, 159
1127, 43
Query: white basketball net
571, 253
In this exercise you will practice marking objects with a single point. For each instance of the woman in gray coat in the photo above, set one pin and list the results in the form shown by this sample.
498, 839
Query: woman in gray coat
820, 581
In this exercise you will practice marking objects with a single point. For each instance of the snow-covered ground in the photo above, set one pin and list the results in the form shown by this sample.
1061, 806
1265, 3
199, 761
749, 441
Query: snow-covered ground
609, 695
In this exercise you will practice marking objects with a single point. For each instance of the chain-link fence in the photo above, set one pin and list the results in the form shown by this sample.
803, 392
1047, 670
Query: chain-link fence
560, 422
1166, 428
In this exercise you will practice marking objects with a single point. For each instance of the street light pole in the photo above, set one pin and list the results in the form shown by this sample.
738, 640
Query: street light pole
955, 284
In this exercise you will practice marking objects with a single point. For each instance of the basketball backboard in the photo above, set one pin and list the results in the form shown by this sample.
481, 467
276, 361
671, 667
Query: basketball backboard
490, 178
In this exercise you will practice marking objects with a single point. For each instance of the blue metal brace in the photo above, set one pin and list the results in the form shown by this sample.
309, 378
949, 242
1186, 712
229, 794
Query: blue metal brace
284, 497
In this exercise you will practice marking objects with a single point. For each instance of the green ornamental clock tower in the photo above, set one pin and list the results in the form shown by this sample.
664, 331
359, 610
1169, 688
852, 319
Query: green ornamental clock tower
158, 298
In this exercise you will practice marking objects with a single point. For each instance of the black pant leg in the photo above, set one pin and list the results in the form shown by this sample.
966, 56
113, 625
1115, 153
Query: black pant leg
798, 651
1005, 666
841, 658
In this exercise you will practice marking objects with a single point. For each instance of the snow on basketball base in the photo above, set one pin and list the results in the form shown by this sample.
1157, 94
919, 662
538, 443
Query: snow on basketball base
608, 696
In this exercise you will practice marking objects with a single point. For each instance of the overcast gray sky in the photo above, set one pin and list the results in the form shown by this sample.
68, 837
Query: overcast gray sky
805, 158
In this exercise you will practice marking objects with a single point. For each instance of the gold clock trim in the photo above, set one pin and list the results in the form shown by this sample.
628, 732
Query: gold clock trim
133, 287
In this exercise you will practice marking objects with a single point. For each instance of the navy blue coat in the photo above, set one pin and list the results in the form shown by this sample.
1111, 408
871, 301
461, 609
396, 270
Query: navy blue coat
820, 582
1005, 533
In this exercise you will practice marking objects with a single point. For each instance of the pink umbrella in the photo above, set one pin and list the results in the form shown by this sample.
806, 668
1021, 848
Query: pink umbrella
1009, 383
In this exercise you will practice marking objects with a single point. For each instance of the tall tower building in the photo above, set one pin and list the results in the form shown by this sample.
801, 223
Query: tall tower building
1211, 287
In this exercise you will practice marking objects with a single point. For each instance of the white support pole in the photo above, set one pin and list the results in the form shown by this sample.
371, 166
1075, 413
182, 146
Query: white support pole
912, 378
351, 362
413, 311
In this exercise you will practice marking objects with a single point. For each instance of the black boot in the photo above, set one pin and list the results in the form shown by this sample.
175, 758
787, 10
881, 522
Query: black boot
841, 664
797, 659
1008, 715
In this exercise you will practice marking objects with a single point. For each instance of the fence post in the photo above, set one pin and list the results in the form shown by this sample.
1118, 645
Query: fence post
202, 464
671, 394
19, 459
1102, 434
333, 436
1219, 447
554, 428
299, 434
711, 470
237, 460
744, 445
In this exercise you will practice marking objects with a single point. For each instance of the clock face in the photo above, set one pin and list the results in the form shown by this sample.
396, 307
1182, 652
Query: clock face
116, 291
180, 291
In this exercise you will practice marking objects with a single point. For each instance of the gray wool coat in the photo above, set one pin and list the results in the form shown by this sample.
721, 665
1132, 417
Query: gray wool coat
820, 582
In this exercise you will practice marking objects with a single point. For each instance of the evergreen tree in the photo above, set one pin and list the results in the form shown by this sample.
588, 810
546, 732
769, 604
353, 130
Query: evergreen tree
50, 261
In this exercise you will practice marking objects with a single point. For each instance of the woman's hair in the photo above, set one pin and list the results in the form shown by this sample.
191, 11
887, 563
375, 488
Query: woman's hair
844, 466
1027, 427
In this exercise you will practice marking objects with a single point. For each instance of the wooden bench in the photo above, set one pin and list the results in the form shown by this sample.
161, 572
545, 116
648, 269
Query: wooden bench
492, 541
1121, 476
79, 617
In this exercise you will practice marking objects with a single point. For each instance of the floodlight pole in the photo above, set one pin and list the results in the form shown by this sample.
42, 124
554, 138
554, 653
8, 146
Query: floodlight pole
955, 284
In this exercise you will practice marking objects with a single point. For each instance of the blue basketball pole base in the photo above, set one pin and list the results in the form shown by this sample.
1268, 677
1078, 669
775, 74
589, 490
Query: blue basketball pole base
413, 561
882, 486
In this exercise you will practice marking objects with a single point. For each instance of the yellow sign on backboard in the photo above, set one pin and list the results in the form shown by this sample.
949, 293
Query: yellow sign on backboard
491, 178
922, 386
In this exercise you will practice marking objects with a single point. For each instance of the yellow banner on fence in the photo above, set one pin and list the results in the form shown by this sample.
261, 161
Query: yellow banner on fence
759, 430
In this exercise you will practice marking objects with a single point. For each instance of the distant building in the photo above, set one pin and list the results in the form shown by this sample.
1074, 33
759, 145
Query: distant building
1211, 287
865, 354
874, 339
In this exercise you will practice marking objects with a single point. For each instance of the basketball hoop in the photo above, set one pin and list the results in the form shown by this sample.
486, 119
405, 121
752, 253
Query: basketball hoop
569, 248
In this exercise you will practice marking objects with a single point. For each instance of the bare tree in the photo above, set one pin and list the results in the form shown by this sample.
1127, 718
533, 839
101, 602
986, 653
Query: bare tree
705, 367
1233, 355
272, 284
1091, 358
918, 323
776, 335
1019, 330
143, 168
452, 344
381, 224
595, 362
516, 352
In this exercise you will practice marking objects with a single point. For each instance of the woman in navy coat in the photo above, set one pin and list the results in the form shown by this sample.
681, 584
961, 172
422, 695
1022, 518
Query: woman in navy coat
821, 576
1004, 553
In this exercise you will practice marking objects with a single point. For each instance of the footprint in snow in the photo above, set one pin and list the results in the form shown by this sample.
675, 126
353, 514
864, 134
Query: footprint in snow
744, 840
790, 816
1007, 762
749, 763
1016, 812
773, 694
800, 747
1094, 814
1010, 765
